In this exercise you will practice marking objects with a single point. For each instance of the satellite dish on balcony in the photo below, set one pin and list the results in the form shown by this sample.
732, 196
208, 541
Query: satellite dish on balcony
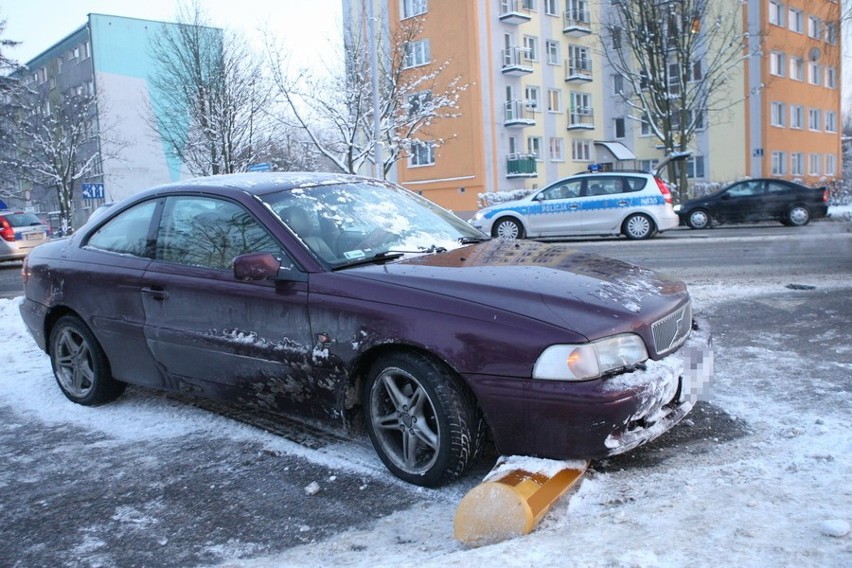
815, 54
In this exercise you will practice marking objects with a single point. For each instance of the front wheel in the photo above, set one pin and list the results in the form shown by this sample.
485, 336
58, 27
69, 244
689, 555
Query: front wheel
798, 216
80, 365
638, 227
423, 423
507, 228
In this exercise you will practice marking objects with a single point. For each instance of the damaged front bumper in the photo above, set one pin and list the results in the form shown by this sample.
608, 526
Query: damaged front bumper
602, 417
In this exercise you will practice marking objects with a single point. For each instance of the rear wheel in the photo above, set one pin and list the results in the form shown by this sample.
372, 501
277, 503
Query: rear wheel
698, 219
80, 365
798, 215
507, 228
638, 227
423, 423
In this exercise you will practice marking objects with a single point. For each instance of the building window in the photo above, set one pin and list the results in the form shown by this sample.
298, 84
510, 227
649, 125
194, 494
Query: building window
557, 153
581, 150
797, 68
776, 12
554, 100
814, 27
814, 116
617, 84
797, 116
797, 164
777, 114
531, 47
553, 57
779, 163
421, 154
529, 5
534, 147
551, 7
830, 164
831, 77
830, 121
87, 50
797, 22
615, 35
814, 73
619, 127
695, 167
831, 33
76, 52
776, 63
411, 8
416, 54
645, 126
815, 165
533, 98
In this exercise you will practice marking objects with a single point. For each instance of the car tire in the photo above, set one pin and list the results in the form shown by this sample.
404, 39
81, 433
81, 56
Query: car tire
638, 227
699, 219
507, 228
80, 365
423, 423
798, 216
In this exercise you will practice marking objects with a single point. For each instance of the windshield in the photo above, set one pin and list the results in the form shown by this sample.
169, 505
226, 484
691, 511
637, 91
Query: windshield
347, 223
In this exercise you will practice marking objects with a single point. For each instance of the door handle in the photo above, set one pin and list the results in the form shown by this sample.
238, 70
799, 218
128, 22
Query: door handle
156, 293
623, 203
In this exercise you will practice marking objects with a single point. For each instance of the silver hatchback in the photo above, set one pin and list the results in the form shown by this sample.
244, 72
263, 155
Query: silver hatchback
19, 233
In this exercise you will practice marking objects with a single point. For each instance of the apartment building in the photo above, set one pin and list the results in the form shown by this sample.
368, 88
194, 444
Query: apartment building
107, 57
541, 101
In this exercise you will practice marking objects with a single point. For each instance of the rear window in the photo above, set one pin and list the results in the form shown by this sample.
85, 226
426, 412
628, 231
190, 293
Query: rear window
21, 219
635, 183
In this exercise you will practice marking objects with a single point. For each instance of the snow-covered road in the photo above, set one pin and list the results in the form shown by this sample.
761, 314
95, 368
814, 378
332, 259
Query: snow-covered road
761, 476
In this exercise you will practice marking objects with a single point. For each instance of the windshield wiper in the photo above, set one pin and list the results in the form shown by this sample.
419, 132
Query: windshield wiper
473, 240
377, 258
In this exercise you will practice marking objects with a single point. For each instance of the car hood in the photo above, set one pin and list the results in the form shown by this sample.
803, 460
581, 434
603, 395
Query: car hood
588, 294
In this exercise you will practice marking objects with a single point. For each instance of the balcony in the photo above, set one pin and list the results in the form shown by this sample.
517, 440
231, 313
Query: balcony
521, 166
516, 61
581, 118
514, 12
578, 70
576, 23
519, 113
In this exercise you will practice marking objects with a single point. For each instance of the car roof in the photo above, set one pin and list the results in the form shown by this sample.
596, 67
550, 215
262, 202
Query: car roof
259, 183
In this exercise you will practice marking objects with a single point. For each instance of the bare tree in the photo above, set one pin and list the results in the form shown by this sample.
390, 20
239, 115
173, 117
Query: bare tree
213, 96
60, 143
336, 110
8, 111
675, 58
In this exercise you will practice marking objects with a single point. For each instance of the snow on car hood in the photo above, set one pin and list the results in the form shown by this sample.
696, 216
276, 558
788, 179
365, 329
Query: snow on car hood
589, 294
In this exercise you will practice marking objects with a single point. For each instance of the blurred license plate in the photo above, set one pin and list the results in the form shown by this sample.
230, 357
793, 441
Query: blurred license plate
33, 236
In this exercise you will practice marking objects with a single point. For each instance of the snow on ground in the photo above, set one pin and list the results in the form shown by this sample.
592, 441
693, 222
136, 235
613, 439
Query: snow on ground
779, 496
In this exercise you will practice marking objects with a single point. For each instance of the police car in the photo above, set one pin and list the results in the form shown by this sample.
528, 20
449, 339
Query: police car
637, 205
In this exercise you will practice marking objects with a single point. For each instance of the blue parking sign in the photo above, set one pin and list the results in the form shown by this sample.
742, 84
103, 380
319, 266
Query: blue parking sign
93, 190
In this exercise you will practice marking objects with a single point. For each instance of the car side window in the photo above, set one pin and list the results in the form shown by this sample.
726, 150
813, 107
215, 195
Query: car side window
745, 189
565, 190
774, 187
602, 186
635, 183
127, 233
210, 233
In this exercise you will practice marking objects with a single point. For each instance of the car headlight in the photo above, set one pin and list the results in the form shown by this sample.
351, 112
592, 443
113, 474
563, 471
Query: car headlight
677, 208
477, 216
590, 360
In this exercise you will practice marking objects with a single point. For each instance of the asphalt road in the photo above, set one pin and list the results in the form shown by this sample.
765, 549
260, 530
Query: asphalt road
74, 497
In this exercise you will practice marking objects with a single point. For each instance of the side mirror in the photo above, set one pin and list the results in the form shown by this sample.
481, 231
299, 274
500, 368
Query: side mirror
256, 266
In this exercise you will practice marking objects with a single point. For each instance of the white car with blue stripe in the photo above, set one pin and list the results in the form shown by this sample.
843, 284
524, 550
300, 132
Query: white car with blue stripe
637, 205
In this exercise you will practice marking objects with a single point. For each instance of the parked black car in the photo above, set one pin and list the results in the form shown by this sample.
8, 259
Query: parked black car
756, 200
